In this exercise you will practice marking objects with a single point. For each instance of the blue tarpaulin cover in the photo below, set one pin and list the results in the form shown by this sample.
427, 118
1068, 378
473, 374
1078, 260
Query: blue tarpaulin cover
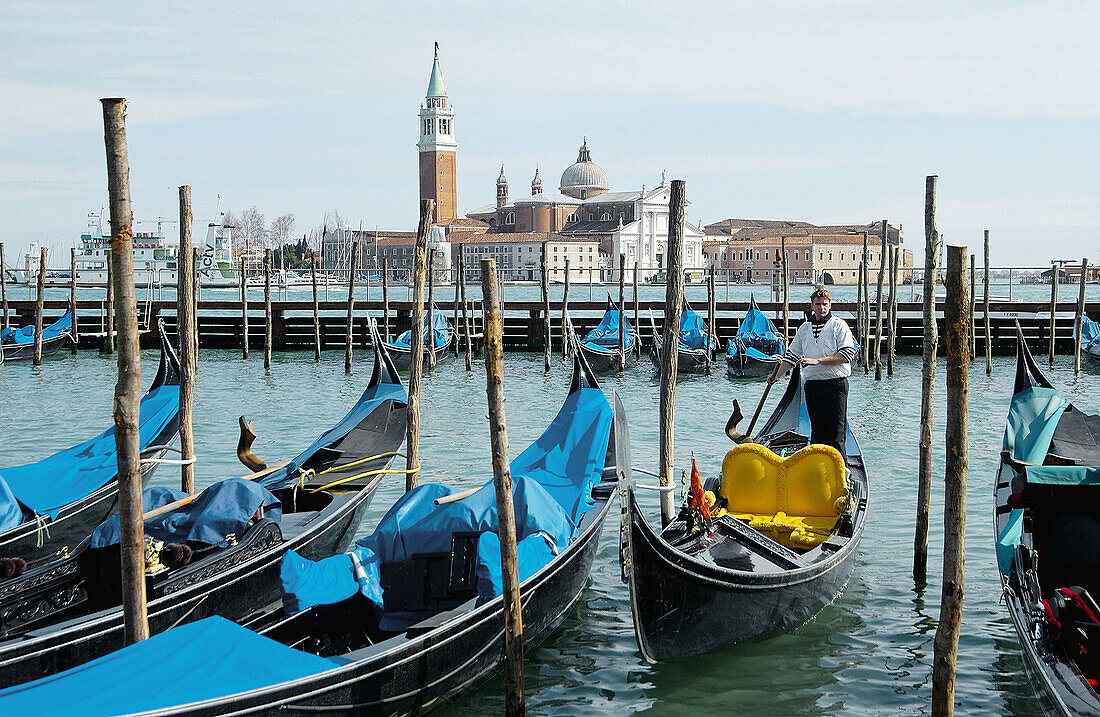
1009, 539
373, 397
552, 489
1033, 417
1090, 331
757, 336
693, 331
307, 583
201, 660
52, 483
1063, 475
222, 508
442, 331
25, 334
605, 337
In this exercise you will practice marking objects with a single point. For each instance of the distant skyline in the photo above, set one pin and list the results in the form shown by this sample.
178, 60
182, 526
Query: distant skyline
826, 112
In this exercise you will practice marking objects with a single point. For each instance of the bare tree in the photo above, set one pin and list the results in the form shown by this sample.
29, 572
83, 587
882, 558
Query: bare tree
281, 230
252, 229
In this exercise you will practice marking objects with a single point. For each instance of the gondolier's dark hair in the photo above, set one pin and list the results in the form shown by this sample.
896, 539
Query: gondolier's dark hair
821, 292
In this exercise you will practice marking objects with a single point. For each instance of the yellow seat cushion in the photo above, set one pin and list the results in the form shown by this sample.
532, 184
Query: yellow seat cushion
795, 500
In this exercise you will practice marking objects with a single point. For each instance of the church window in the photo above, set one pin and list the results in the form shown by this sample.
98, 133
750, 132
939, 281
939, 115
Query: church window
572, 218
765, 256
510, 218
441, 173
830, 256
606, 216
591, 216
584, 194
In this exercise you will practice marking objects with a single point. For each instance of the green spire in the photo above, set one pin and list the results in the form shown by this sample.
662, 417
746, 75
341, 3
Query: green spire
435, 84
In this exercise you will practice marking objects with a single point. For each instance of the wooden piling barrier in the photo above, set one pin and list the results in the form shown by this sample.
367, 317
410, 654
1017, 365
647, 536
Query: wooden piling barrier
244, 309
946, 646
72, 298
989, 340
1079, 323
268, 333
859, 310
39, 299
637, 325
465, 311
195, 257
3, 287
316, 309
928, 382
973, 338
711, 330
454, 319
185, 330
431, 309
786, 292
565, 313
385, 299
878, 302
674, 296
109, 340
128, 388
622, 312
865, 339
892, 313
1054, 268
502, 480
544, 285
350, 326
416, 344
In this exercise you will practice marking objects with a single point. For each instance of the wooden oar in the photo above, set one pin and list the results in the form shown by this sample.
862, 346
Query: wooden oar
455, 497
187, 499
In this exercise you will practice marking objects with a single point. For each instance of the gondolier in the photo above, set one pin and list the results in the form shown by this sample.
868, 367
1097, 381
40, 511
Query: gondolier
824, 348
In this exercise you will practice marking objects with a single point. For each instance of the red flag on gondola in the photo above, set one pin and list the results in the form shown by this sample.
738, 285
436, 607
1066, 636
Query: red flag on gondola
697, 499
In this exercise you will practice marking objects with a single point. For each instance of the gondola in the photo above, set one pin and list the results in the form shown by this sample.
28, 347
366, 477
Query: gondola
18, 344
1047, 521
779, 547
236, 577
756, 348
601, 345
443, 335
439, 629
49, 506
1090, 337
692, 353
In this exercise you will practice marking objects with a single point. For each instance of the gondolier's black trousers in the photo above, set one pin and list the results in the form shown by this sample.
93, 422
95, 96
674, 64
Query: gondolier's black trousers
827, 404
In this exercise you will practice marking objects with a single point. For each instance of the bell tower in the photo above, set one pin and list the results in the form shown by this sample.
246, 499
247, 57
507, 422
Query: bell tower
437, 147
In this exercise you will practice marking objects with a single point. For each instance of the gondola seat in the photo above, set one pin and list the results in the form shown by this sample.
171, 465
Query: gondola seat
794, 500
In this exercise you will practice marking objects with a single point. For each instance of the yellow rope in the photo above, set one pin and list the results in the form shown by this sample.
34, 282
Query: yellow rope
357, 476
361, 461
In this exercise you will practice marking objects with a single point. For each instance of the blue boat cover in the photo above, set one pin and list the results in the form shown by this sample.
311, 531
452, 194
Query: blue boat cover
693, 331
307, 583
1033, 417
442, 332
1009, 539
372, 397
1090, 331
1063, 475
69, 475
552, 489
222, 508
605, 337
201, 660
757, 336
25, 334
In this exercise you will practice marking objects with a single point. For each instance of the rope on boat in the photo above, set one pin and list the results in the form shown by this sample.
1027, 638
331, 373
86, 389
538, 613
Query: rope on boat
169, 461
365, 474
43, 526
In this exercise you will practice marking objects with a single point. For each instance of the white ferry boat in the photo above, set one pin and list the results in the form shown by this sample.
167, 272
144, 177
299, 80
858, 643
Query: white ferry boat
155, 259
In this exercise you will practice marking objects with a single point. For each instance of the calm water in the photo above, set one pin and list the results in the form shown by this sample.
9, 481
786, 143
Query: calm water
869, 653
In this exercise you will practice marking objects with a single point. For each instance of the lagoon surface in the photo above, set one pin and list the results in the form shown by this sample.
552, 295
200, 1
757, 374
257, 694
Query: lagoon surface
869, 653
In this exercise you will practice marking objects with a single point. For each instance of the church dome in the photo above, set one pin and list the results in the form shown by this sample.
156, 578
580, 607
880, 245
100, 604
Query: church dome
583, 178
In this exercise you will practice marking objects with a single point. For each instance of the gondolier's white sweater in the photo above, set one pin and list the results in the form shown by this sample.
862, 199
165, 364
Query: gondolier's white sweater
834, 337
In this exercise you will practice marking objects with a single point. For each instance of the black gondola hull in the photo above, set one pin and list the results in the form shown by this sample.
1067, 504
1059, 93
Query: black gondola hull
25, 352
242, 582
741, 366
402, 356
681, 609
687, 360
602, 361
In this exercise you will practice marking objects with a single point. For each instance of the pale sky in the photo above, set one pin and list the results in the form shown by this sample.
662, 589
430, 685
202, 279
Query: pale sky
827, 112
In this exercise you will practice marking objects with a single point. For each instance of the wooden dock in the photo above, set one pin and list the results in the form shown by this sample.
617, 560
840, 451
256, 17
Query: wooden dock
220, 322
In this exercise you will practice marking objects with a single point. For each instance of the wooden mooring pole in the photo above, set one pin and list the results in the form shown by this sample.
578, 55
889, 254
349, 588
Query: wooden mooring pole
1079, 323
502, 480
244, 308
268, 333
622, 312
431, 310
416, 344
72, 298
712, 329
565, 313
878, 302
865, 338
859, 313
637, 325
989, 339
674, 296
954, 509
454, 320
109, 340
544, 286
349, 330
466, 327
786, 292
1054, 268
185, 329
892, 313
316, 308
973, 338
928, 383
128, 389
385, 299
39, 306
